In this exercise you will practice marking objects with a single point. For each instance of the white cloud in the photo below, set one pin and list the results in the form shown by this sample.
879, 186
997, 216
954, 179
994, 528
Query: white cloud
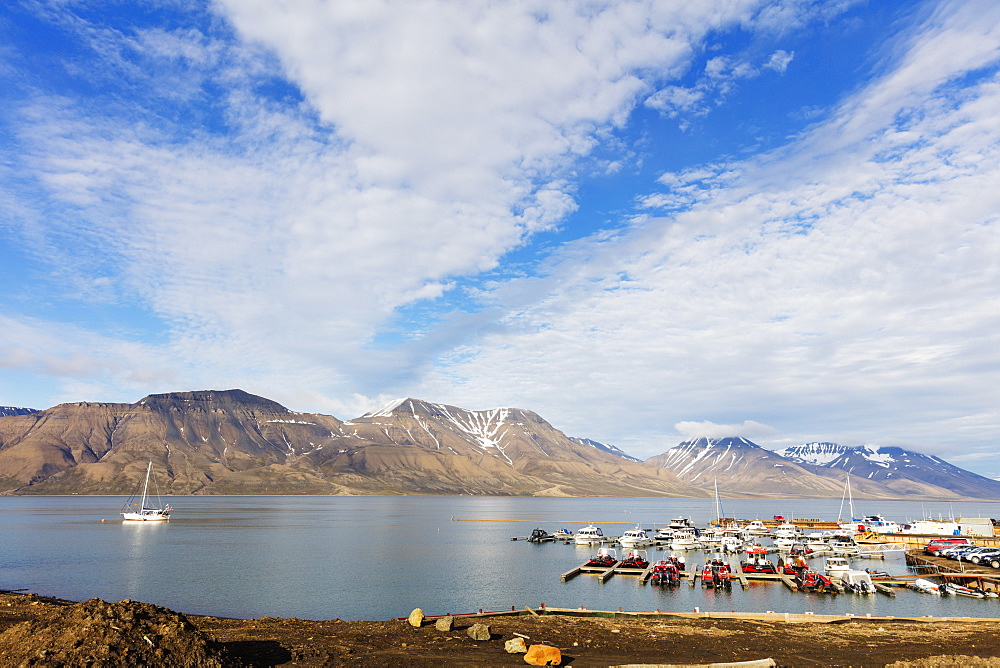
747, 429
842, 288
779, 61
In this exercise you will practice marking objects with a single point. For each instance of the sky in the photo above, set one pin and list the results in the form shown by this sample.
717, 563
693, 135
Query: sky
645, 221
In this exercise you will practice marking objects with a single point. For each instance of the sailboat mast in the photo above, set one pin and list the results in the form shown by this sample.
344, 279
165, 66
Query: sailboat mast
142, 505
850, 497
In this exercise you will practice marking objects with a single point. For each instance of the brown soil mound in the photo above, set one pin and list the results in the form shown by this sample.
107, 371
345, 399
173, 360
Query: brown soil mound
95, 633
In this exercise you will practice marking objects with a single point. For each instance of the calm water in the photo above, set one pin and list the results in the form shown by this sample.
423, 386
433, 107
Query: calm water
380, 557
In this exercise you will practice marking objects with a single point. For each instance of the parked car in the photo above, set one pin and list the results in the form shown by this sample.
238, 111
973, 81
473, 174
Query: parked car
935, 546
959, 552
984, 555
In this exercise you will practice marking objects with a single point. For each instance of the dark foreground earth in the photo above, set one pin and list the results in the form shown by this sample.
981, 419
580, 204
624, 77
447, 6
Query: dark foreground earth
40, 631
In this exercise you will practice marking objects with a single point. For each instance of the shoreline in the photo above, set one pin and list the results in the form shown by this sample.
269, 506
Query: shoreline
585, 638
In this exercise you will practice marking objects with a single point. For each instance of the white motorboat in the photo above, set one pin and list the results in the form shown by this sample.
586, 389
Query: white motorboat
590, 535
685, 539
859, 582
757, 528
635, 538
786, 530
664, 535
731, 544
959, 590
141, 512
925, 587
710, 537
841, 546
679, 523
785, 543
836, 565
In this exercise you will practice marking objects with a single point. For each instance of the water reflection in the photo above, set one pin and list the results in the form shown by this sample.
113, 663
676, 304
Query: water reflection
138, 564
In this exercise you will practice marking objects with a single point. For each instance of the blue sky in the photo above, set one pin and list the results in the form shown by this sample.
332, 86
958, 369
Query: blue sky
645, 221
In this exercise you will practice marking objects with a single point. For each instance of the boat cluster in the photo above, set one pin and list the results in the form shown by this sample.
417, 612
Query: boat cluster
680, 535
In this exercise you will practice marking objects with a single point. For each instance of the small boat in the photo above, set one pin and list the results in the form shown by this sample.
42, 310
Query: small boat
680, 523
809, 580
757, 561
925, 587
605, 557
635, 538
716, 574
685, 539
785, 542
635, 559
835, 565
664, 535
540, 536
959, 590
140, 512
665, 572
731, 544
589, 535
859, 582
562, 533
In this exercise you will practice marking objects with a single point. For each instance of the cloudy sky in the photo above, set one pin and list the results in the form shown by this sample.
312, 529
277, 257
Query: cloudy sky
642, 220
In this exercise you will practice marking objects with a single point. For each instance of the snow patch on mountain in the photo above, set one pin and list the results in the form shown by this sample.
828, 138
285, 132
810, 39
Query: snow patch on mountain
604, 447
386, 410
6, 411
818, 454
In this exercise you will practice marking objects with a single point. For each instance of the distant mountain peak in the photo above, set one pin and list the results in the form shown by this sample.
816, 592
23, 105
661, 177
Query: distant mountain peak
604, 447
6, 411
216, 398
718, 442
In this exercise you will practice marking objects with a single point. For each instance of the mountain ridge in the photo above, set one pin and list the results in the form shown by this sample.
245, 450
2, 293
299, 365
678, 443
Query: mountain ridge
234, 442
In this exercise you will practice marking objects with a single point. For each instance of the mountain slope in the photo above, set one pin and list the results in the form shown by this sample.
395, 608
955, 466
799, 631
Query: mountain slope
742, 467
503, 450
903, 471
232, 442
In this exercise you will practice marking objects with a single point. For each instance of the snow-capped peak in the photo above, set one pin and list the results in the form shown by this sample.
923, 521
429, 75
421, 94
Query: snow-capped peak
819, 454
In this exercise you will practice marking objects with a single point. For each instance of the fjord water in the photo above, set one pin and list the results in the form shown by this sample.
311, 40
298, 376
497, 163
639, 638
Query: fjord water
380, 557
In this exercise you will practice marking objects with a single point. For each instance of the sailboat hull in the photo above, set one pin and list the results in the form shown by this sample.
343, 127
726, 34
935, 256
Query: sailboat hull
146, 517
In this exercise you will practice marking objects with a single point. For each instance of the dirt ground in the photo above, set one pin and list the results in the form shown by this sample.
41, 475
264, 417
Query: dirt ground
41, 631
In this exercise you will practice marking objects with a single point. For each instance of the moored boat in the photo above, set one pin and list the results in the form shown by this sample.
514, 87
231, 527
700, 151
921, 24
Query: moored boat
636, 537
685, 539
925, 587
836, 565
606, 557
635, 559
665, 572
540, 536
142, 511
716, 573
757, 561
589, 535
859, 582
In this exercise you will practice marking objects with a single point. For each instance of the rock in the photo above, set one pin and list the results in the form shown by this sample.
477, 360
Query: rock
479, 632
543, 655
416, 617
444, 623
515, 646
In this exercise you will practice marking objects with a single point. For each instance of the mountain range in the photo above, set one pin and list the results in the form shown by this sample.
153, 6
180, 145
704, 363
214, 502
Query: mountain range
233, 442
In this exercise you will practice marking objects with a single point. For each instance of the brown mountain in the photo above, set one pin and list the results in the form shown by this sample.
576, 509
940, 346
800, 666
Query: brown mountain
743, 468
232, 442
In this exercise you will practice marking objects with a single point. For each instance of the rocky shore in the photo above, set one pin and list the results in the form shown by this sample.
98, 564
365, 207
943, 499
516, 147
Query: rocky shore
41, 631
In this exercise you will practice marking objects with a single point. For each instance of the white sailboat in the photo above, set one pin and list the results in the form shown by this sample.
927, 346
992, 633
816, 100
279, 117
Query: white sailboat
140, 512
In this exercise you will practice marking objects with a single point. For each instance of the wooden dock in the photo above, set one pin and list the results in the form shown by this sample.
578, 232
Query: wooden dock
740, 575
604, 573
